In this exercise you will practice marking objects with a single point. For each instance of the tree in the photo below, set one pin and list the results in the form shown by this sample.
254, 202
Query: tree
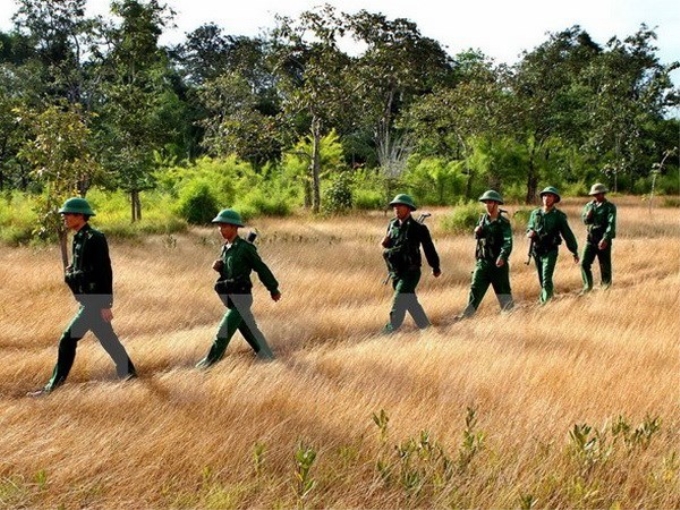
60, 154
398, 65
632, 92
453, 120
312, 72
139, 111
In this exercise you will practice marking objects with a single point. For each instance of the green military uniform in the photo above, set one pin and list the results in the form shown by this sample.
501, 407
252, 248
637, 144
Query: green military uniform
403, 258
600, 220
90, 278
234, 288
550, 228
494, 241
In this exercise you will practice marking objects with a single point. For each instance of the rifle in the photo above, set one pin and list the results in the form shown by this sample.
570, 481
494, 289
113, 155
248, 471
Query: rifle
531, 250
421, 219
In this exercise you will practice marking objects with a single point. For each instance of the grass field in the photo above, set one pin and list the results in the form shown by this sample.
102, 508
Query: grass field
570, 405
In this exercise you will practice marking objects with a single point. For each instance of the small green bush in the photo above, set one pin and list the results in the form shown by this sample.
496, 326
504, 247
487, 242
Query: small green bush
197, 203
463, 218
369, 200
338, 197
259, 202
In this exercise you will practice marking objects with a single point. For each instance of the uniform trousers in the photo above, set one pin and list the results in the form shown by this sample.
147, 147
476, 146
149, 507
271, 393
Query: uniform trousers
238, 317
88, 318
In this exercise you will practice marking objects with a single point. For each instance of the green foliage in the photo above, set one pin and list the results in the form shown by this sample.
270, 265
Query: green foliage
18, 218
434, 181
463, 218
259, 202
305, 456
337, 198
197, 203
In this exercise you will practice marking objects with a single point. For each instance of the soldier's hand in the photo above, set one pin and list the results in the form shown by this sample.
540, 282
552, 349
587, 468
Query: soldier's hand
276, 296
602, 245
107, 314
531, 234
385, 243
436, 273
576, 259
218, 265
500, 262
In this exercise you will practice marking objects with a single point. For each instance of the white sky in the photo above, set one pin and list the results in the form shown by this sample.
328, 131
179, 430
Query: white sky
501, 29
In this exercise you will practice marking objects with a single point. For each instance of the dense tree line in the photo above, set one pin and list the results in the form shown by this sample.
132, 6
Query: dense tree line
102, 93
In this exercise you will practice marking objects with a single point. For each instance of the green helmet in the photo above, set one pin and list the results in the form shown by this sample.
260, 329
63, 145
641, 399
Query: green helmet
228, 216
76, 205
491, 195
597, 188
403, 199
553, 191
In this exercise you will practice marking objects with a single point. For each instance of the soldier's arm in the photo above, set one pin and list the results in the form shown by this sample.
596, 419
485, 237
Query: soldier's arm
430, 252
263, 272
610, 231
506, 247
531, 226
568, 235
101, 272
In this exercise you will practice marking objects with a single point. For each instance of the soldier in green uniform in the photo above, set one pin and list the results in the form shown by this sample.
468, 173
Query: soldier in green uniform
401, 251
494, 245
547, 227
90, 278
599, 216
238, 258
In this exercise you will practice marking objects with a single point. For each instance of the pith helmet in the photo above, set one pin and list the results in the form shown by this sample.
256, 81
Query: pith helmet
553, 191
598, 188
228, 216
403, 199
491, 195
76, 205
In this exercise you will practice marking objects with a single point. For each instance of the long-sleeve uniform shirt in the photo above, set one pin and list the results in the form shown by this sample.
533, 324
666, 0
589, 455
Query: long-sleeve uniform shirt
550, 228
239, 259
90, 274
600, 220
403, 252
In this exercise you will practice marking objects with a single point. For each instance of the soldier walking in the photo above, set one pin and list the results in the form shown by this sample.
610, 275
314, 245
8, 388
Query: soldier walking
90, 278
237, 259
599, 216
401, 251
547, 227
494, 245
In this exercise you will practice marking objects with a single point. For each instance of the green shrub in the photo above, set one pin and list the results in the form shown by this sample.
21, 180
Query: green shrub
463, 218
197, 203
368, 199
338, 197
260, 202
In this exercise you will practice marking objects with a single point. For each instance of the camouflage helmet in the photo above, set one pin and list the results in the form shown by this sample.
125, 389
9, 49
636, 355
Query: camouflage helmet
228, 216
552, 190
76, 205
597, 188
491, 195
403, 199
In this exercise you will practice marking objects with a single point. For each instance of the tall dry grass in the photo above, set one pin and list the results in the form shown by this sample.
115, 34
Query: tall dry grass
385, 416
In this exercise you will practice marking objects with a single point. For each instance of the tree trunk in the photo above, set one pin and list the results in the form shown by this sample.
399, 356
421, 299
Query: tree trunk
135, 206
532, 184
316, 164
63, 237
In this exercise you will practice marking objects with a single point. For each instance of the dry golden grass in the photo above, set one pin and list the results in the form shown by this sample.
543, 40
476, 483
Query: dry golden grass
227, 438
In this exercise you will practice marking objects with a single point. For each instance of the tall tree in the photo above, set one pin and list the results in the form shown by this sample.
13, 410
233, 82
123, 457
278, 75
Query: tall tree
397, 66
313, 83
60, 153
631, 94
549, 100
139, 113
